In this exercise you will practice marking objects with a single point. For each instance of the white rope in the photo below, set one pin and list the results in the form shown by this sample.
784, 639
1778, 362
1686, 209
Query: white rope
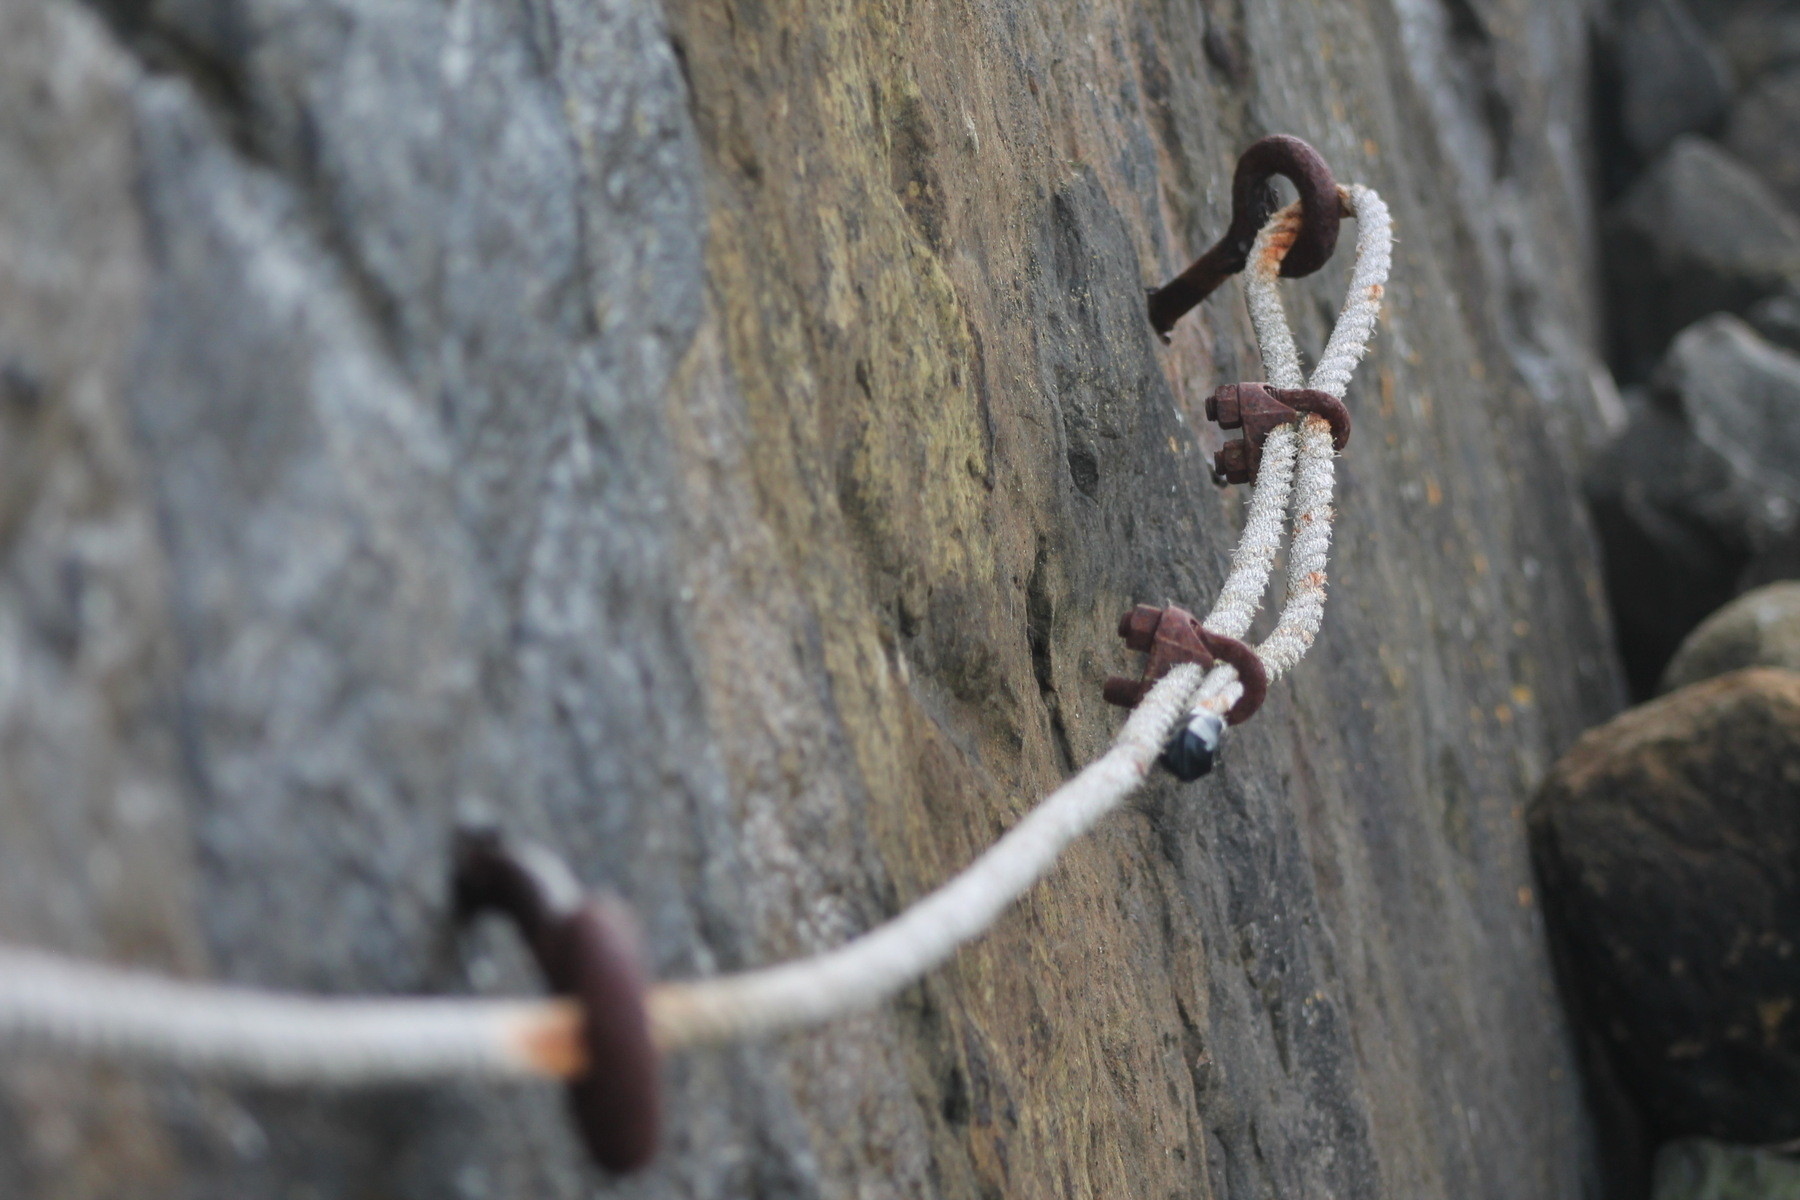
1304, 611
1368, 283
873, 967
45, 1001
1281, 358
51, 1002
1309, 472
1253, 560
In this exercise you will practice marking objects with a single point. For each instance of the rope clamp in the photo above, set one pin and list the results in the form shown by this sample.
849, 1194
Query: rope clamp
588, 950
1259, 410
1171, 636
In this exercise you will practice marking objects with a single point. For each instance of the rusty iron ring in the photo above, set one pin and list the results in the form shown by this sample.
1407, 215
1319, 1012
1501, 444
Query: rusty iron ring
1251, 205
588, 950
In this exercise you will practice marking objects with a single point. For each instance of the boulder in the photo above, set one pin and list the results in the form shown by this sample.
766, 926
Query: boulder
1759, 629
1674, 522
1760, 37
1700, 232
1672, 79
1741, 397
1700, 1169
1777, 319
1697, 497
1668, 846
1765, 133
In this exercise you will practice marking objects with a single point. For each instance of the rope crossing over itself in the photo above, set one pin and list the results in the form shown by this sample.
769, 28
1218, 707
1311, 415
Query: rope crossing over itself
1296, 460
50, 1002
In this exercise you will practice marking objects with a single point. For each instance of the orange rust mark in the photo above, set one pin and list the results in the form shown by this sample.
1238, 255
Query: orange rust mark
1281, 241
550, 1041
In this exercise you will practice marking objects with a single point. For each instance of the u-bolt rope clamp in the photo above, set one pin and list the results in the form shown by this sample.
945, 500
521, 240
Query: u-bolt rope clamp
588, 950
1252, 202
1259, 410
1171, 636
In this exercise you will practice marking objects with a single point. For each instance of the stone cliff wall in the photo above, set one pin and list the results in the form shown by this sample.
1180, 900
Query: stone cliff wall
719, 439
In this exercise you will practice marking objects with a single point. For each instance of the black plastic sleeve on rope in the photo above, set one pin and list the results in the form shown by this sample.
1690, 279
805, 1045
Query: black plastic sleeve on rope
588, 950
1251, 205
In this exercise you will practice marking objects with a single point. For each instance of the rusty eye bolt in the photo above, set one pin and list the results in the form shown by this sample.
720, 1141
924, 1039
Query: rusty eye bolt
1252, 202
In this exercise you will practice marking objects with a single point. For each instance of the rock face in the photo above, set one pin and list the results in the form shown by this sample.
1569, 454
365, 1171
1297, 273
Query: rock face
1698, 233
1758, 629
719, 439
1668, 843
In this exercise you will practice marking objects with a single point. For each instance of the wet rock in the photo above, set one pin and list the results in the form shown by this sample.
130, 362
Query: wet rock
1672, 79
1759, 629
1701, 1169
1764, 133
1699, 233
1697, 498
1668, 845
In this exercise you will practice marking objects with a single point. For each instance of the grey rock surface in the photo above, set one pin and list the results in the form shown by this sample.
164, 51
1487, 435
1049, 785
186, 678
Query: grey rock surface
1666, 842
719, 439
1759, 629
1698, 233
1673, 80
1698, 1169
1765, 133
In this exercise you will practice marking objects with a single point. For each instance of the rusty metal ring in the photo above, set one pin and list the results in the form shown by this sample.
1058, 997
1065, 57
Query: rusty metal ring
1250, 671
617, 1101
1277, 154
588, 950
